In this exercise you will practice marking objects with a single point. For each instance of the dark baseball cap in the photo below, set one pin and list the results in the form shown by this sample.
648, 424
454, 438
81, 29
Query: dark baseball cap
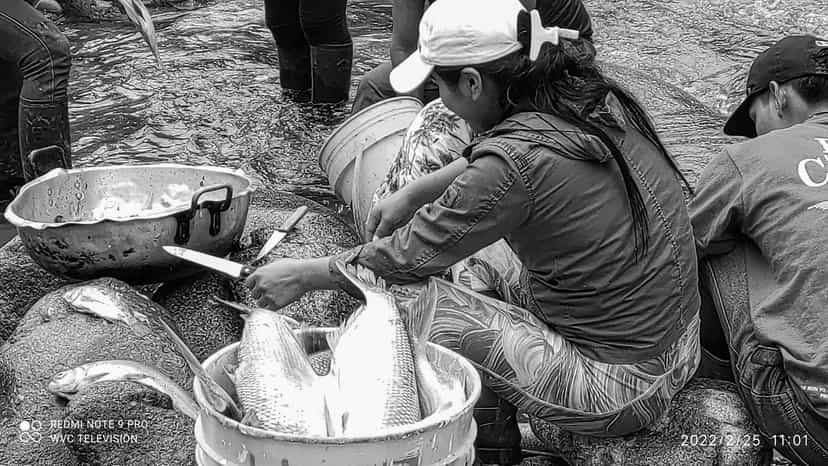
790, 58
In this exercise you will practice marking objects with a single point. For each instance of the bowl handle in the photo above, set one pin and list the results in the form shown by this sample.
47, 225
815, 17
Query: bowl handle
182, 234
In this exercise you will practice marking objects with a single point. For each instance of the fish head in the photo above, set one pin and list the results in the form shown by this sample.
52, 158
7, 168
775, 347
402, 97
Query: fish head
90, 299
67, 383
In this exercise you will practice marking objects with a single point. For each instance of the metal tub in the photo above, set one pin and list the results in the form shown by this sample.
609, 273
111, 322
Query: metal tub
74, 224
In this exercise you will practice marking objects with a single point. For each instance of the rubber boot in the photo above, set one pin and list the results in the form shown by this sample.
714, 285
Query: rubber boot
331, 71
295, 73
44, 138
498, 433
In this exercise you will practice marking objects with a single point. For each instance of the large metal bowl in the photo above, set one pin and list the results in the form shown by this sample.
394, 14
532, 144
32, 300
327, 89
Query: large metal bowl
112, 221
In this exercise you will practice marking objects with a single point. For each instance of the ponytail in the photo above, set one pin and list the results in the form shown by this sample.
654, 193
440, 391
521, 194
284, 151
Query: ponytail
565, 81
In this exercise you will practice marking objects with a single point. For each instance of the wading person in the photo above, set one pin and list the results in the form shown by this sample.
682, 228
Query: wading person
601, 330
314, 47
34, 76
773, 190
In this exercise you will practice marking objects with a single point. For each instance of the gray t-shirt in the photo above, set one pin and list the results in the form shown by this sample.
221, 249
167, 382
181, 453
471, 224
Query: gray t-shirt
773, 189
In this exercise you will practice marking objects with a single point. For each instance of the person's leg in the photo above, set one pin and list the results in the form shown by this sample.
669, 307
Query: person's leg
528, 366
325, 25
781, 414
40, 52
375, 86
11, 171
282, 18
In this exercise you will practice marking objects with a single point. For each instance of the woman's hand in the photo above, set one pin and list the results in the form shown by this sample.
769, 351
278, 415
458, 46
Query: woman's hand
283, 281
389, 214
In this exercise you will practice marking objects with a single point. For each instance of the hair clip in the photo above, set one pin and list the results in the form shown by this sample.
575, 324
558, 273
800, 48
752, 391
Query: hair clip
532, 35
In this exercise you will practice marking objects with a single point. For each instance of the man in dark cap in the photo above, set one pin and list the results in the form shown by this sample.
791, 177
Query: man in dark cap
773, 191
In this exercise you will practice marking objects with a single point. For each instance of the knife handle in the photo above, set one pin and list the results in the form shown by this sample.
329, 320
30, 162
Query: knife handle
246, 271
294, 218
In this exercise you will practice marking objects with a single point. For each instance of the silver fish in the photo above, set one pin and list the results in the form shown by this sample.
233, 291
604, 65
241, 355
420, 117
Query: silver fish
373, 363
438, 391
276, 385
69, 382
137, 12
104, 303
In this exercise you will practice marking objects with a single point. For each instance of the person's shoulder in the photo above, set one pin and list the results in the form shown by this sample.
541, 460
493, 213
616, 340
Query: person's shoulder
769, 144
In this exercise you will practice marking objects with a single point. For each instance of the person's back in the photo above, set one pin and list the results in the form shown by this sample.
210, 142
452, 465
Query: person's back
588, 266
773, 190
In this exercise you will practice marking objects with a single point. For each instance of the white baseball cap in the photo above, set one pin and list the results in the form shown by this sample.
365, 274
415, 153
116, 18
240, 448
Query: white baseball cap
469, 32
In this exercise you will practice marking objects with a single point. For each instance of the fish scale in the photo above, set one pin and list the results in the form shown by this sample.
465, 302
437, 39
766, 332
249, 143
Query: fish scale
276, 385
373, 362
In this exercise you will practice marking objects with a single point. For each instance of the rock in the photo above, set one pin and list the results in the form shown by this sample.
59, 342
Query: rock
208, 326
144, 429
22, 282
705, 411
51, 338
110, 10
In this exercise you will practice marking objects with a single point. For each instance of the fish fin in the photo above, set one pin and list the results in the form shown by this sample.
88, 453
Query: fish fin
420, 315
251, 419
296, 358
246, 310
230, 371
333, 406
332, 338
362, 277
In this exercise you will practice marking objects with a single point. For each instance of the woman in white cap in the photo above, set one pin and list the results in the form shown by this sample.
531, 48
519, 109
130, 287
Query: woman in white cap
601, 328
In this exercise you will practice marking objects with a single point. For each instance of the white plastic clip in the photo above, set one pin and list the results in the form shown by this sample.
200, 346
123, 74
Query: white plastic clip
541, 35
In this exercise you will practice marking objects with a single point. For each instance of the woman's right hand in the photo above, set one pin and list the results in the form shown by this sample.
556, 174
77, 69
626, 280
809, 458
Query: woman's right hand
390, 213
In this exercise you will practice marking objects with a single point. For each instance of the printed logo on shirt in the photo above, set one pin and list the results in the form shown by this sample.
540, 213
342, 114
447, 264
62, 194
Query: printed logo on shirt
814, 172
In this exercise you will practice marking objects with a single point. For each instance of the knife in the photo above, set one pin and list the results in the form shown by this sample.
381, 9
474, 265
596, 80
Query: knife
282, 231
218, 264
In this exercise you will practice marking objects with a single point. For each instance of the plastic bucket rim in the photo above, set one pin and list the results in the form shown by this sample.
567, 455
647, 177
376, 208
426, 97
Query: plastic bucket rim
389, 434
326, 149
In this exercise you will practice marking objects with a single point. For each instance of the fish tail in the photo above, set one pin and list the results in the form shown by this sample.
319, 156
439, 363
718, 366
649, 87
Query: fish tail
362, 277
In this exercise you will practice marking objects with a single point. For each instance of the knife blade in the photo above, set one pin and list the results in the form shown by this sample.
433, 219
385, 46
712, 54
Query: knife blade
282, 231
218, 264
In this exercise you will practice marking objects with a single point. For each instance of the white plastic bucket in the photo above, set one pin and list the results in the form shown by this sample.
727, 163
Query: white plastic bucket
374, 135
222, 441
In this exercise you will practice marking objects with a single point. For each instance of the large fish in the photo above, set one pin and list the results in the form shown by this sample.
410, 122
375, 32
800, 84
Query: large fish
69, 382
275, 383
373, 362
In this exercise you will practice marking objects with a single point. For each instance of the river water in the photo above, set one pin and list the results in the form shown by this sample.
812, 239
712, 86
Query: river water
217, 101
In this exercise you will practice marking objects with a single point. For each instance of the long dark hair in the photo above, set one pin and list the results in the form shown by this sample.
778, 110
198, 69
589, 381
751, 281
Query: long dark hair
565, 81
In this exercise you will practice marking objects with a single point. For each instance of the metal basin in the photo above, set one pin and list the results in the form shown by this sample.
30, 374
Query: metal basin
112, 221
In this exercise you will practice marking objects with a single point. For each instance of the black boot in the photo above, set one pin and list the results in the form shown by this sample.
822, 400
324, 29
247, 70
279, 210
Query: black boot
44, 138
295, 73
498, 433
331, 68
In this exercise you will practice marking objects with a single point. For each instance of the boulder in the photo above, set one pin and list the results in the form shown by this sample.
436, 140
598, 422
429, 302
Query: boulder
53, 337
22, 282
705, 412
132, 426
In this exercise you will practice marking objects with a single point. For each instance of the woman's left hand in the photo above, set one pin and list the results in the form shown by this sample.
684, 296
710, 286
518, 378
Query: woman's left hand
283, 281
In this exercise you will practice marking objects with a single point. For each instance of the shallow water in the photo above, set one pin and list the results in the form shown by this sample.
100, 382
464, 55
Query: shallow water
217, 100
